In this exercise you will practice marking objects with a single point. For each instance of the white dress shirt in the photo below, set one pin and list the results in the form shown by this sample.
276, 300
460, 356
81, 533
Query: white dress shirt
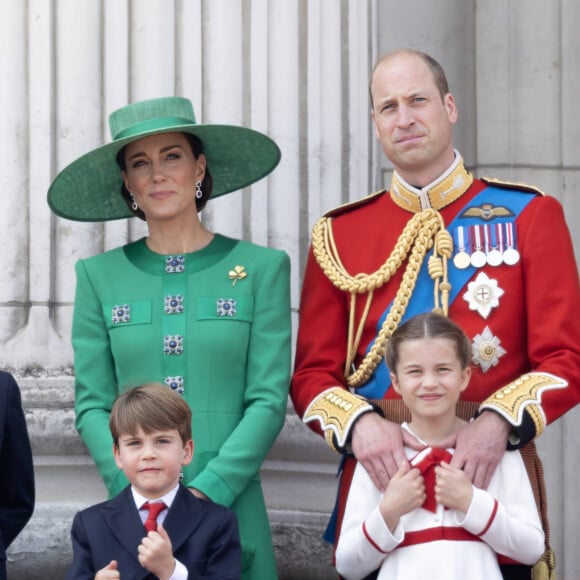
180, 572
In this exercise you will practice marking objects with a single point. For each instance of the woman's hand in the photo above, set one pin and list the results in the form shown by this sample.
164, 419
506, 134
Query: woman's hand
198, 493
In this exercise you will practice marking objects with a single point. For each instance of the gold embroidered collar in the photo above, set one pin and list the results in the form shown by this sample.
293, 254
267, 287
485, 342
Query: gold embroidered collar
438, 194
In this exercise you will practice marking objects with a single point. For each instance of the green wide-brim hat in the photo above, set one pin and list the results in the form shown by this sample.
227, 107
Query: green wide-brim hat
89, 188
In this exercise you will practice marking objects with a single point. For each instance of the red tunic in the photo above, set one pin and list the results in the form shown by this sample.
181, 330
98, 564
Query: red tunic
537, 320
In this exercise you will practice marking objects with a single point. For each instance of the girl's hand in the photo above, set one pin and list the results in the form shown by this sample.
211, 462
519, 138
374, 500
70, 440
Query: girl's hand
452, 487
405, 492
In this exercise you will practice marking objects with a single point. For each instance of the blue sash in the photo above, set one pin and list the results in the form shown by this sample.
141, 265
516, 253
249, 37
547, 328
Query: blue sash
422, 298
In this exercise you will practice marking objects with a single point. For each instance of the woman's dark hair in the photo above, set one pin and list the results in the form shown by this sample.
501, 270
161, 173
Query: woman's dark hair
206, 185
429, 325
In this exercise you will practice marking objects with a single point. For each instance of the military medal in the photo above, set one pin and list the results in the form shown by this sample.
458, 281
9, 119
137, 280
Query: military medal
493, 255
483, 294
478, 259
461, 259
486, 350
510, 255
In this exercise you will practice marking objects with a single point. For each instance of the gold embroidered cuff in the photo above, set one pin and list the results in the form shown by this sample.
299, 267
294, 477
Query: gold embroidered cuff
336, 409
524, 394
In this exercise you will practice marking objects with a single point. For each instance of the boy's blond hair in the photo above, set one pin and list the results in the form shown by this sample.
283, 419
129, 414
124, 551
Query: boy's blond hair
151, 407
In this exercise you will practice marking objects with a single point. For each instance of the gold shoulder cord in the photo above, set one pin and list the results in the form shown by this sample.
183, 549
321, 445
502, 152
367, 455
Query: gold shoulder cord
424, 230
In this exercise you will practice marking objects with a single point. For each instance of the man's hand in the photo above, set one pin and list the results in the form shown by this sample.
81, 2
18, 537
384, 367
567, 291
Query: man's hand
405, 492
109, 572
378, 445
155, 553
479, 447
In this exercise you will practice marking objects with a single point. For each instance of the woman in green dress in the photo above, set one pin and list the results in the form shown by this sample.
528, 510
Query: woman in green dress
205, 314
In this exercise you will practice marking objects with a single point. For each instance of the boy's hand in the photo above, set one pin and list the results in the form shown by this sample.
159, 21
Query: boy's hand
198, 493
108, 572
452, 487
156, 553
405, 492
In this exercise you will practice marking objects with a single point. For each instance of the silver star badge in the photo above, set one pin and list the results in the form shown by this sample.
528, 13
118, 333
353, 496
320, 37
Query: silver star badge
483, 294
486, 350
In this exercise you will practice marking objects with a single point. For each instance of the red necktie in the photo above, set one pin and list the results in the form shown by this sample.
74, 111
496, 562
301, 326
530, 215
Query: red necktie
154, 510
426, 463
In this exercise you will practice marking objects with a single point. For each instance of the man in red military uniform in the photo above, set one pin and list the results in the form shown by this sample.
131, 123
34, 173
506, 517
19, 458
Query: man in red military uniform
496, 257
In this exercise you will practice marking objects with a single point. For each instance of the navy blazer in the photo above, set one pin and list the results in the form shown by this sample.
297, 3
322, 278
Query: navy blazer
16, 470
204, 536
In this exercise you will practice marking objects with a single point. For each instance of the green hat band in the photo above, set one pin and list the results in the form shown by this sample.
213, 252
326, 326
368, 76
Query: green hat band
151, 125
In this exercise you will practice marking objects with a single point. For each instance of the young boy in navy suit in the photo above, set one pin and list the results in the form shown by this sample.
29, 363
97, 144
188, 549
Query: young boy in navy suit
151, 429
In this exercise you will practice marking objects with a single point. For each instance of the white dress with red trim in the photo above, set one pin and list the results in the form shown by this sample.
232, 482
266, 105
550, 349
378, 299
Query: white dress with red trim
444, 544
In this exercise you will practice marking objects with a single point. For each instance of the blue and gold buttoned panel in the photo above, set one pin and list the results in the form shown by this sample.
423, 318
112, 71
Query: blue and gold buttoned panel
122, 314
226, 308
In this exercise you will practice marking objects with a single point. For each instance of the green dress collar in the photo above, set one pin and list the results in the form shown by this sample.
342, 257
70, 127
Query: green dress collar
159, 264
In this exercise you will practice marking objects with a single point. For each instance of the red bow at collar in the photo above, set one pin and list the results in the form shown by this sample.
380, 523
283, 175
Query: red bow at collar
426, 461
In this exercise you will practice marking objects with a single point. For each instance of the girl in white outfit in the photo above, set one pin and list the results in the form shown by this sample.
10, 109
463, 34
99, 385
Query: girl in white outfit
431, 522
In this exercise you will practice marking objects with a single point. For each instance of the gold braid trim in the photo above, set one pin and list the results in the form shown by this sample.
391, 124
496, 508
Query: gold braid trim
524, 394
336, 409
422, 232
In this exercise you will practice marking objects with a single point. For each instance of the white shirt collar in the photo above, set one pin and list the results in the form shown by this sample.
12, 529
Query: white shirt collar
167, 499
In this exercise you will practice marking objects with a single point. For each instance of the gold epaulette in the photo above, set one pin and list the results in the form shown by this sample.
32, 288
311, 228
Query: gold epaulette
336, 409
345, 207
524, 394
513, 185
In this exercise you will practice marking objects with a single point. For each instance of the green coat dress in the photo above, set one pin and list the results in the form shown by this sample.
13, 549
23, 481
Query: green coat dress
215, 326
